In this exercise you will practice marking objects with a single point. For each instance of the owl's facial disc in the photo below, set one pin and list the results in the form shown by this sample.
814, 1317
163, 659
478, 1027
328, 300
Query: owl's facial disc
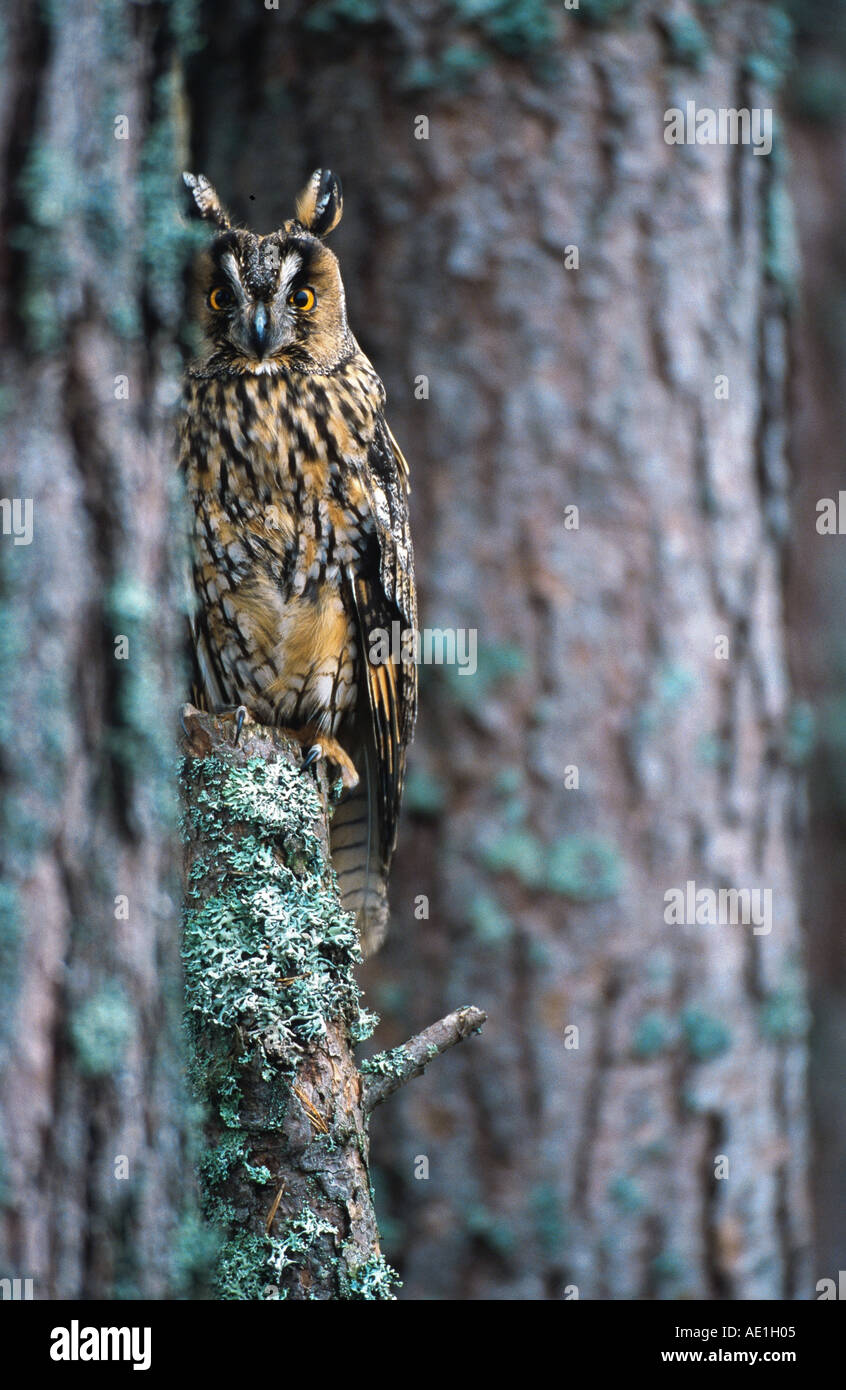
275, 299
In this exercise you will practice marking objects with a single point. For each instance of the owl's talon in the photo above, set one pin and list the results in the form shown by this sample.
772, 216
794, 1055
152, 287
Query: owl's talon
332, 752
314, 753
240, 714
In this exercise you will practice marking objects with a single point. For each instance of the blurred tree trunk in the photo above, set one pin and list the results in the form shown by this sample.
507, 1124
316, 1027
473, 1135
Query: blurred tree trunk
552, 1166
97, 1170
817, 600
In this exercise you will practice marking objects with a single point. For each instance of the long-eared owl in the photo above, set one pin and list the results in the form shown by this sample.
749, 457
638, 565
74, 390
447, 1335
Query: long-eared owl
301, 544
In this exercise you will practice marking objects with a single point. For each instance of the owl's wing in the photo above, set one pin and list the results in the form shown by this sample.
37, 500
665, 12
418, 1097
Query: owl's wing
386, 600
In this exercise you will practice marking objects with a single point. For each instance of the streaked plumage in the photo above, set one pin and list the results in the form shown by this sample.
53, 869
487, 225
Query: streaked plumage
301, 544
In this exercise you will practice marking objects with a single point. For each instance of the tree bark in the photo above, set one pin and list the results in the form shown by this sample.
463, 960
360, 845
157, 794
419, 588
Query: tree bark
817, 597
275, 1014
561, 1170
98, 1194
272, 1004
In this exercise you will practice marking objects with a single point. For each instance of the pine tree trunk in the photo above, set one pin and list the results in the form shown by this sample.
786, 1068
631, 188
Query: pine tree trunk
817, 598
660, 1149
97, 1169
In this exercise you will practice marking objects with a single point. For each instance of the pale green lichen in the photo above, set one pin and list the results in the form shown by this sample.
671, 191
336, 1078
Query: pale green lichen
669, 1267
269, 957
671, 686
256, 921
518, 852
243, 1272
585, 868
800, 735
785, 1016
627, 1195
470, 35
425, 794
547, 1217
101, 1030
492, 926
297, 1240
370, 1282
602, 11
221, 1160
706, 1037
363, 1026
686, 39
138, 739
391, 1063
782, 258
653, 1035
194, 1250
11, 951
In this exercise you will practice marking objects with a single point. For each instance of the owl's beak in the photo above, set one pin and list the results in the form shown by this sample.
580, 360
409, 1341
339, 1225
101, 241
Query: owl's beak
261, 325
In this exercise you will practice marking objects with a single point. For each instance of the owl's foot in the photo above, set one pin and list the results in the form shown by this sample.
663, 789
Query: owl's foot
317, 746
238, 713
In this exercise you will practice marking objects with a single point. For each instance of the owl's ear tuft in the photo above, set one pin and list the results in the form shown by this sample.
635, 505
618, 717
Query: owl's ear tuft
321, 203
205, 202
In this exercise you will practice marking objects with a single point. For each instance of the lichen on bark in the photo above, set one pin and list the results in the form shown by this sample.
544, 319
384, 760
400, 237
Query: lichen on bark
274, 1011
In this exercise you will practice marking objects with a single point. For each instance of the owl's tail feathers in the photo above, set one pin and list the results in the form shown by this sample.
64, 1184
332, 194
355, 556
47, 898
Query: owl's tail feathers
355, 843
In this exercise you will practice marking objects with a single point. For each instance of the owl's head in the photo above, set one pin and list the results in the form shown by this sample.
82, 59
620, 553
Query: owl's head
269, 302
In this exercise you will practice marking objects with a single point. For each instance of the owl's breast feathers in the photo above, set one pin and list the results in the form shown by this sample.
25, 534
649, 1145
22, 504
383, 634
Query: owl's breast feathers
301, 550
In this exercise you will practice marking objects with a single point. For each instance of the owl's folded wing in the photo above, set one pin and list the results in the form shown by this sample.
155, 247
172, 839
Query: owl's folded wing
385, 600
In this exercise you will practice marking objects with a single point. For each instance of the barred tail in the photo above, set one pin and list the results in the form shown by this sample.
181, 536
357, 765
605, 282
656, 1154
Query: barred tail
357, 857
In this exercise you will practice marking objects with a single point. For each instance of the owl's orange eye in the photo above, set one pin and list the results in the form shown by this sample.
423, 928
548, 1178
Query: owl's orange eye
220, 298
304, 299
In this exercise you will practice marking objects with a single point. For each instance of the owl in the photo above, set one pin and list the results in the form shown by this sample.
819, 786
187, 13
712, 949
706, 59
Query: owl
301, 550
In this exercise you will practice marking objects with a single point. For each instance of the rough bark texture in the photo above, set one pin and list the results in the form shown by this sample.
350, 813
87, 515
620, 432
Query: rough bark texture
399, 1065
561, 1167
274, 1011
97, 1187
817, 602
274, 1014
